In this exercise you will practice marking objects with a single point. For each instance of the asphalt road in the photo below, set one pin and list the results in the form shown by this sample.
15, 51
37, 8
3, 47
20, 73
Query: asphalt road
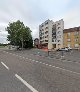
35, 71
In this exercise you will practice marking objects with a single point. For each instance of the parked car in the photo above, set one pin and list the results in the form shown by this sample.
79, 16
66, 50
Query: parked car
69, 48
63, 49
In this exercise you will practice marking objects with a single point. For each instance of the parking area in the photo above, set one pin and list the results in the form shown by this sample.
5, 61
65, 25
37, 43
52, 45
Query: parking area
71, 56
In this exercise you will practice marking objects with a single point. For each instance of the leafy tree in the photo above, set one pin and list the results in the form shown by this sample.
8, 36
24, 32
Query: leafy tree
19, 35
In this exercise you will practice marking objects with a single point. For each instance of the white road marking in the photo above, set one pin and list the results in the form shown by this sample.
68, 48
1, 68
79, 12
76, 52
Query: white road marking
50, 65
40, 62
23, 57
26, 84
5, 66
36, 61
46, 64
66, 70
43, 63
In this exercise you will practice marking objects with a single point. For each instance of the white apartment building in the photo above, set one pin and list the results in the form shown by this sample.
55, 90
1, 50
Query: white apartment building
51, 34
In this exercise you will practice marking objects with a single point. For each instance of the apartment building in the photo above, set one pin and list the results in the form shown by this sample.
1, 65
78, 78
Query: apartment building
51, 34
72, 37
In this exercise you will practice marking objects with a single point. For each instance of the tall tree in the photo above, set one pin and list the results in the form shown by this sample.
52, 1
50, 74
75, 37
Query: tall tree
19, 35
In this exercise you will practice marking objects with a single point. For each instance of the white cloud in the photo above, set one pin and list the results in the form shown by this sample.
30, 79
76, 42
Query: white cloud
71, 18
34, 12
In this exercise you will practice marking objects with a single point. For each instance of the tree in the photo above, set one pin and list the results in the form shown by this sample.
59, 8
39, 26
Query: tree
19, 35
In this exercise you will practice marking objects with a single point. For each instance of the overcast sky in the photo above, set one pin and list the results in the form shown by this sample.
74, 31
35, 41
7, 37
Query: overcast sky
33, 12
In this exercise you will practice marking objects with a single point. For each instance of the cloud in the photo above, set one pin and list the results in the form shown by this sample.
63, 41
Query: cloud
71, 18
34, 12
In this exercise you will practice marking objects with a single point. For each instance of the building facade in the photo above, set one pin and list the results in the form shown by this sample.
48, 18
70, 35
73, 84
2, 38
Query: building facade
51, 34
72, 37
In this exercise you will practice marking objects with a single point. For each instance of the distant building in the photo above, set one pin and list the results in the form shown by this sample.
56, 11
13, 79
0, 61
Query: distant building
51, 34
72, 37
36, 42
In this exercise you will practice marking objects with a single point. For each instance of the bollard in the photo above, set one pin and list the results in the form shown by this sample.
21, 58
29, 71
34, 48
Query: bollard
62, 54
48, 52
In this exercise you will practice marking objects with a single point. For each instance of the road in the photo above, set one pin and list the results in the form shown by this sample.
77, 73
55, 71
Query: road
34, 71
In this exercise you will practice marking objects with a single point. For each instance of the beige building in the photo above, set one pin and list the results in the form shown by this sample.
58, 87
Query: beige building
51, 34
72, 37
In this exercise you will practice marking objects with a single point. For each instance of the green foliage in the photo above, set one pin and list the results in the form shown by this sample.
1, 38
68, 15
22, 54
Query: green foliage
19, 35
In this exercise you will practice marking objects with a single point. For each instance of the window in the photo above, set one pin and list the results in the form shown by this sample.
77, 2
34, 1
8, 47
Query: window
68, 34
58, 27
69, 40
40, 38
76, 33
46, 23
42, 29
53, 40
42, 25
76, 45
58, 24
69, 45
46, 32
58, 40
76, 40
46, 40
58, 32
46, 28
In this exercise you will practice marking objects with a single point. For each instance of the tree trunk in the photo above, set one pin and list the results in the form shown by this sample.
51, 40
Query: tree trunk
22, 44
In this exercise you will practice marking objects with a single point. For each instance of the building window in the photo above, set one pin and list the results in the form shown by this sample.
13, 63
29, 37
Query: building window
42, 29
69, 45
42, 25
69, 34
46, 23
58, 23
76, 40
46, 28
40, 38
76, 33
69, 40
46, 32
53, 40
58, 27
58, 40
76, 45
46, 40
58, 32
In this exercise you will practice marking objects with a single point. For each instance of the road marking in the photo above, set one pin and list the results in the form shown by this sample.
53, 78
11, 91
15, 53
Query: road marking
50, 65
5, 66
26, 84
36, 61
46, 64
66, 70
43, 63
23, 57
40, 62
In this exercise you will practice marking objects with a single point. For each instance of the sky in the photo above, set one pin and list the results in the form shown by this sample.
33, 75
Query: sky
33, 12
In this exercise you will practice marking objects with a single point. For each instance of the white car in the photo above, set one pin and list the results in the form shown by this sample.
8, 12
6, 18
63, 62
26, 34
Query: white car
63, 49
69, 48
